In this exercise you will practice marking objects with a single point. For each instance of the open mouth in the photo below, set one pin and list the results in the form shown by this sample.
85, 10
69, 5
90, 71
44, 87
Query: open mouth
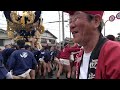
74, 32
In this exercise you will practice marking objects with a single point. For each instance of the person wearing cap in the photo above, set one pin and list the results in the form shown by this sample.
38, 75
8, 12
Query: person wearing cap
100, 57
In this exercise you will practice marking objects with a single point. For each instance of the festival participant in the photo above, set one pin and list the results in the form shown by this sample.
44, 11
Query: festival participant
21, 62
100, 57
4, 74
65, 60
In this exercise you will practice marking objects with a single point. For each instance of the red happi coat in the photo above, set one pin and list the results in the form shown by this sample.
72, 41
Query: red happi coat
108, 64
66, 52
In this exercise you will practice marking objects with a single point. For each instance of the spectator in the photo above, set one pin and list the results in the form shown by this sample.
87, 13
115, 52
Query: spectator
111, 37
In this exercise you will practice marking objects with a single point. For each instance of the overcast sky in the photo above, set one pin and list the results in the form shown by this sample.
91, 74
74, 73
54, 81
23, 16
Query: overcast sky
51, 16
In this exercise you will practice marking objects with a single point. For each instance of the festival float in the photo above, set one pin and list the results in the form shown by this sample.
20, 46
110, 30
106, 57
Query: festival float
26, 26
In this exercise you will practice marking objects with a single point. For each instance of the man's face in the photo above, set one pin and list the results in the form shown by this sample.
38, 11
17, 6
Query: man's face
81, 28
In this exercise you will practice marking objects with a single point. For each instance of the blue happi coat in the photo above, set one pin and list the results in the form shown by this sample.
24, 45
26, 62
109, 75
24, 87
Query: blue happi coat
3, 70
20, 61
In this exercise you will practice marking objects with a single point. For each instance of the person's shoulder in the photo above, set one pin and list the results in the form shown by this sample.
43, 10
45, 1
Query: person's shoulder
111, 46
16, 51
19, 51
112, 43
13, 53
28, 51
6, 49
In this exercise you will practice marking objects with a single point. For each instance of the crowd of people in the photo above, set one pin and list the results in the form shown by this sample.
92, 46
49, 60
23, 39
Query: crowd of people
24, 62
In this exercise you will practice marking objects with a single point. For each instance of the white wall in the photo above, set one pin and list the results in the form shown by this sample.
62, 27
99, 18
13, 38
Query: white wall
7, 42
3, 35
47, 35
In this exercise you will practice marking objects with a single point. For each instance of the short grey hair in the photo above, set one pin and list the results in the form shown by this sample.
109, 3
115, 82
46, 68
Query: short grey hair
91, 17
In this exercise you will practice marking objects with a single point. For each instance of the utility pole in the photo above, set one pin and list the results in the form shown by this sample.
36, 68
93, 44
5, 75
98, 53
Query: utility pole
59, 26
63, 28
104, 26
59, 30
70, 35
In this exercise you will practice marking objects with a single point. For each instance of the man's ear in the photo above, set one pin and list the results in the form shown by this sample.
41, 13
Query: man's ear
97, 20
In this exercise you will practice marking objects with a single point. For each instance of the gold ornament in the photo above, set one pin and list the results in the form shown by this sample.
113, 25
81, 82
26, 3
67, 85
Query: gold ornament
25, 22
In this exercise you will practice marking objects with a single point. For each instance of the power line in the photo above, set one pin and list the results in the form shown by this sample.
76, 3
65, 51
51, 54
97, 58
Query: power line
56, 21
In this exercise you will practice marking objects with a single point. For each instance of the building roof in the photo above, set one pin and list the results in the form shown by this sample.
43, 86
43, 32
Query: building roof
51, 34
3, 31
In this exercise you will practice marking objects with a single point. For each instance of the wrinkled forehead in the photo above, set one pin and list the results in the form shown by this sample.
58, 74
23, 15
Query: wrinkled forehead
72, 13
85, 13
79, 14
88, 12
